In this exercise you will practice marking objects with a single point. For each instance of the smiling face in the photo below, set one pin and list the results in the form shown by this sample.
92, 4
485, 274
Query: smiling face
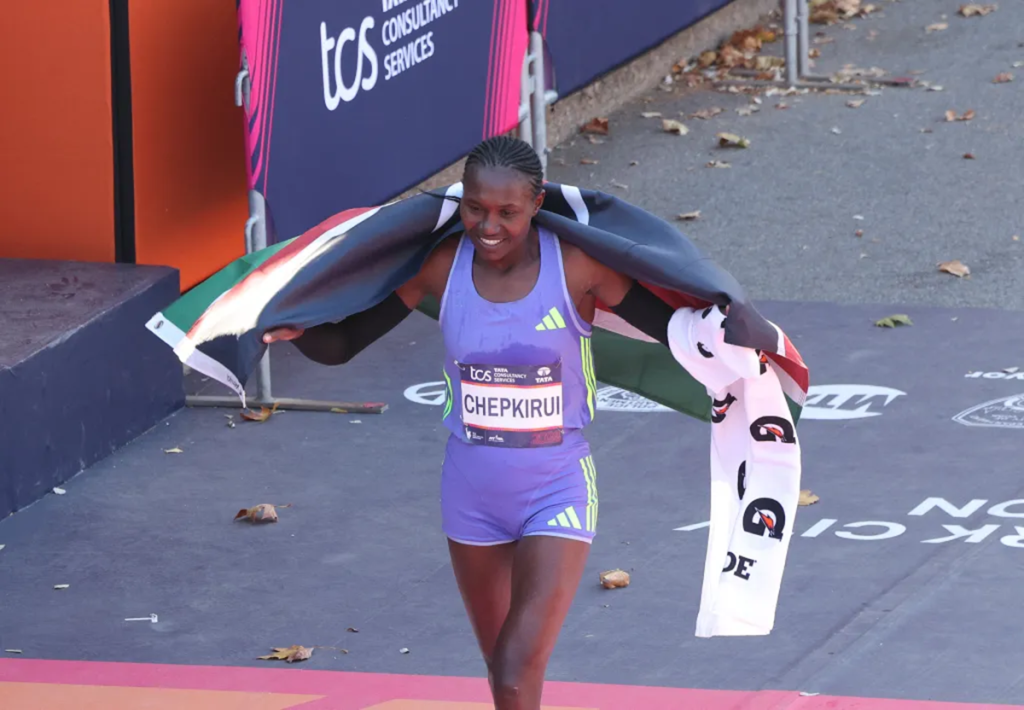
497, 207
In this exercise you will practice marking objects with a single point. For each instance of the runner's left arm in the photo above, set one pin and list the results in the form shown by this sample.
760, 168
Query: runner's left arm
629, 300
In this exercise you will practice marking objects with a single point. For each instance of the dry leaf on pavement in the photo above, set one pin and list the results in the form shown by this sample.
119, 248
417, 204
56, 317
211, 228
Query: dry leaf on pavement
1004, 78
651, 114
175, 450
717, 164
968, 156
937, 27
894, 321
951, 115
588, 161
731, 140
289, 655
671, 126
262, 513
972, 9
955, 267
596, 125
808, 498
263, 415
688, 216
855, 103
747, 110
614, 578
616, 183
706, 113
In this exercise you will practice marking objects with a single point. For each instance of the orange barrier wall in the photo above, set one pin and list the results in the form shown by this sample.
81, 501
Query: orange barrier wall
191, 199
56, 143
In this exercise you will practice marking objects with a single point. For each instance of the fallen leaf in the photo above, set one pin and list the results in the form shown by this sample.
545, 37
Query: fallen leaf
706, 113
688, 216
1018, 65
731, 140
859, 233
855, 103
291, 654
1004, 78
717, 164
614, 578
263, 415
808, 498
935, 87
61, 586
1016, 237
937, 27
894, 321
634, 162
13, 650
972, 9
955, 267
969, 156
352, 630
59, 491
175, 450
747, 110
651, 114
672, 126
967, 115
746, 40
588, 161
824, 39
814, 53
596, 125
782, 106
403, 650
262, 513
616, 183
706, 59
595, 140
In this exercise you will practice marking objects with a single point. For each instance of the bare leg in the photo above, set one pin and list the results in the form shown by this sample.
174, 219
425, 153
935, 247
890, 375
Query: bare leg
484, 575
545, 575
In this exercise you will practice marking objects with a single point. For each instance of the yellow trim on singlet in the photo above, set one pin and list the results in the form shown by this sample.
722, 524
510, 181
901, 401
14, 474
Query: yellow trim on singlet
447, 395
587, 360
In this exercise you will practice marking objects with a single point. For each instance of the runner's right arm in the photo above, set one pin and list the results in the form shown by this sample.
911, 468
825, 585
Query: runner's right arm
337, 343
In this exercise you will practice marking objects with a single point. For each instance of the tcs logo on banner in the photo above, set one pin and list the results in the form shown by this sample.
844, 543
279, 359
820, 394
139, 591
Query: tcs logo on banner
366, 55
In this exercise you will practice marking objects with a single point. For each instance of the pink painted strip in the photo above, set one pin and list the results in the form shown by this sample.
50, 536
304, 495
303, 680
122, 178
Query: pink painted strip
353, 691
266, 67
507, 32
273, 94
489, 91
513, 56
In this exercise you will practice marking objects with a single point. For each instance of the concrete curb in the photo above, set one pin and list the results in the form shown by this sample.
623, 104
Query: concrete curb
631, 80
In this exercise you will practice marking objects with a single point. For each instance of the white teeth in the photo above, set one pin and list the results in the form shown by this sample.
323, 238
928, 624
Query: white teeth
490, 242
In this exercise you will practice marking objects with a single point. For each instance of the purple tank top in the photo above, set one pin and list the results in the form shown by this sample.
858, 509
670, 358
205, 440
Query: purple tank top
518, 374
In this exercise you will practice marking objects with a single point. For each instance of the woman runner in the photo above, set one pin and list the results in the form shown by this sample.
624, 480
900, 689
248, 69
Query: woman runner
518, 485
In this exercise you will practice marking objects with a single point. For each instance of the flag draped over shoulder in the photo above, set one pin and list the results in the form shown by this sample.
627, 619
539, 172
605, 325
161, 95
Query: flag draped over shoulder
355, 259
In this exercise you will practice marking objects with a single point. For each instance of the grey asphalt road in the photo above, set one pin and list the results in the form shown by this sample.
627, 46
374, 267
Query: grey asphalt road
783, 218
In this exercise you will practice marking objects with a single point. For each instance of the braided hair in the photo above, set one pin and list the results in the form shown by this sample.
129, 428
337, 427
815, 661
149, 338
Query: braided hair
508, 152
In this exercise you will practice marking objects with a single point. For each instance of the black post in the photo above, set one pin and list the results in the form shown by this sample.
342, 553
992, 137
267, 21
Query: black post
121, 103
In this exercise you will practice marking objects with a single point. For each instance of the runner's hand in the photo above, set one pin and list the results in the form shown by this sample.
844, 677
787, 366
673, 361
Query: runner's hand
282, 334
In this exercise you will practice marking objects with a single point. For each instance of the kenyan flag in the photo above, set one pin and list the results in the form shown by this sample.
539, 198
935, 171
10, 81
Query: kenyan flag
355, 259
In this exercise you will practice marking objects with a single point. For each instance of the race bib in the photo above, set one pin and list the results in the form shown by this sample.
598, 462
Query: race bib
518, 406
